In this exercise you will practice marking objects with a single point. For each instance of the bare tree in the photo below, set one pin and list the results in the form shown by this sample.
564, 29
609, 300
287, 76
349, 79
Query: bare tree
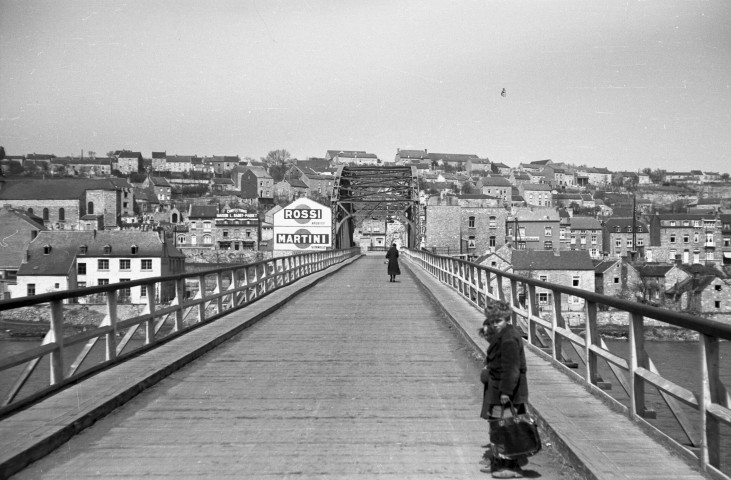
277, 157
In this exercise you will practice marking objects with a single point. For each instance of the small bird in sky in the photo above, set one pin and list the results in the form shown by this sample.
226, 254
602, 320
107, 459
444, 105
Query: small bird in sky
504, 93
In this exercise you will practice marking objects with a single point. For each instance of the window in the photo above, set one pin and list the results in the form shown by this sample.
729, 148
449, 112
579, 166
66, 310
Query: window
102, 264
618, 243
493, 222
192, 225
727, 241
593, 239
45, 214
583, 239
543, 278
207, 239
90, 208
616, 279
31, 289
80, 284
206, 226
562, 234
548, 231
717, 304
629, 229
61, 215
225, 234
471, 222
103, 281
146, 264
709, 239
717, 287
672, 238
548, 245
594, 252
573, 239
46, 249
629, 243
134, 249
492, 240
696, 223
640, 242
143, 291
125, 264
686, 223
81, 268
542, 298
575, 281
30, 211
686, 238
709, 257
125, 292
696, 237
672, 223
193, 240
107, 249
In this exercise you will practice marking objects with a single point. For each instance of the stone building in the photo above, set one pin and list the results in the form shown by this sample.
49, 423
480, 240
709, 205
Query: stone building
469, 225
693, 237
618, 278
534, 228
623, 237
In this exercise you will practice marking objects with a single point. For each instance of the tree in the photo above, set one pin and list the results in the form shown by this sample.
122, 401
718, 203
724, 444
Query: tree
724, 177
2, 152
277, 172
277, 157
468, 188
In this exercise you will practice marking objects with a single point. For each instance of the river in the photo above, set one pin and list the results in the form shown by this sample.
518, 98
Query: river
677, 361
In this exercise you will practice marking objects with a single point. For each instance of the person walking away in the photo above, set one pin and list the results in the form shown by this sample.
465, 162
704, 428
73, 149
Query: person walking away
393, 268
504, 377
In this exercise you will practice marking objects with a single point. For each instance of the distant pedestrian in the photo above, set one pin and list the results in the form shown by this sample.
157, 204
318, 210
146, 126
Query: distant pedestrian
393, 268
504, 377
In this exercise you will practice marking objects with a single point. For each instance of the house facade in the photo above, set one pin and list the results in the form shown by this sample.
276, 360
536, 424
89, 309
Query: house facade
63, 260
692, 237
533, 228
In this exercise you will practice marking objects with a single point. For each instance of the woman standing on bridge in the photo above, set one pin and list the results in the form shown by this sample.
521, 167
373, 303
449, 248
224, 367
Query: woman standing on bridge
393, 268
505, 372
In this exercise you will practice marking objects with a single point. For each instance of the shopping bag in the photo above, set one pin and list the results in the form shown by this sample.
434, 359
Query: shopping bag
514, 437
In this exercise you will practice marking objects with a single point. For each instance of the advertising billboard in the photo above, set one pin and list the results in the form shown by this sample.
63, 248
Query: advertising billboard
303, 225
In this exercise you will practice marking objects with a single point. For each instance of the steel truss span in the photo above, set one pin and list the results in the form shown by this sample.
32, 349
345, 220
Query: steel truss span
375, 192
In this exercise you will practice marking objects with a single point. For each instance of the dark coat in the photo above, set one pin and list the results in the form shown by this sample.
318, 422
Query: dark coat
505, 361
392, 256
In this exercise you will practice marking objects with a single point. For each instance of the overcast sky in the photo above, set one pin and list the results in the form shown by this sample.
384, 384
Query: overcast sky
617, 84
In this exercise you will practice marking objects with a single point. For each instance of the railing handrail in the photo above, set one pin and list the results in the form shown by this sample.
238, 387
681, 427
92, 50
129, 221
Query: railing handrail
19, 302
219, 291
703, 325
479, 283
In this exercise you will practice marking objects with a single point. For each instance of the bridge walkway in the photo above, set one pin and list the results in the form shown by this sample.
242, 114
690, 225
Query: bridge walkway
353, 377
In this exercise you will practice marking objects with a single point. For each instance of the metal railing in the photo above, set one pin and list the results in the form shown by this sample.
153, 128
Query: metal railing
552, 336
171, 310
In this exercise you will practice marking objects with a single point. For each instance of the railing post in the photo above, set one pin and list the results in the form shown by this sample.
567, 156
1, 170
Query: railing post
219, 288
56, 356
591, 337
557, 321
711, 392
637, 358
532, 312
180, 293
150, 323
202, 305
111, 337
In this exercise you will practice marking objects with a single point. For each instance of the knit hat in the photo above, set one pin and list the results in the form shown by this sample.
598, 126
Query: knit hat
497, 310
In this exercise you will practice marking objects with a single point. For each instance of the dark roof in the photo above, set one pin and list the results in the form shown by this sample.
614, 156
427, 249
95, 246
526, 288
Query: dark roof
158, 154
655, 270
496, 181
605, 265
65, 248
15, 227
524, 260
203, 211
62, 189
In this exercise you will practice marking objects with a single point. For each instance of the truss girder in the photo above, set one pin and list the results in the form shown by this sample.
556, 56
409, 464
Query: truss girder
375, 192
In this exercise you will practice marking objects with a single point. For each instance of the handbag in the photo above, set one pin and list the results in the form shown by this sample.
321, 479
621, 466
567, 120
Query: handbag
485, 375
515, 436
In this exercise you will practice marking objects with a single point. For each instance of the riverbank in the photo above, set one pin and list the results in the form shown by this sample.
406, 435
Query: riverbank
32, 323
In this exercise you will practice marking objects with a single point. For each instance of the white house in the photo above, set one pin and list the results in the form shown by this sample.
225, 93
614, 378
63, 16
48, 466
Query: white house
64, 260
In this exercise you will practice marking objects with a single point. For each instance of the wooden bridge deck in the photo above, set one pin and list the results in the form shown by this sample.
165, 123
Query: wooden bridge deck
354, 377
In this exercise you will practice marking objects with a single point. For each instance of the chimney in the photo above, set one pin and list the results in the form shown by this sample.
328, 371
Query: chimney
27, 256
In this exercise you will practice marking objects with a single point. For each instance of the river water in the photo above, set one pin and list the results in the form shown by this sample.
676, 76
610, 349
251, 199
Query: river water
679, 362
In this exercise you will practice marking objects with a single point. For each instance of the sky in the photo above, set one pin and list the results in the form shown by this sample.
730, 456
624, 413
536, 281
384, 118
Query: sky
619, 84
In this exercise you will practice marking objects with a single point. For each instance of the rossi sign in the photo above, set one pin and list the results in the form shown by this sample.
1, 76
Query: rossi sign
303, 225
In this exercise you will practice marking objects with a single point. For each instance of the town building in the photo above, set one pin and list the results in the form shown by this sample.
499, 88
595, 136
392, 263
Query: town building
537, 194
70, 204
66, 260
693, 237
626, 237
236, 229
568, 268
618, 278
583, 233
129, 162
533, 228
468, 225
17, 229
